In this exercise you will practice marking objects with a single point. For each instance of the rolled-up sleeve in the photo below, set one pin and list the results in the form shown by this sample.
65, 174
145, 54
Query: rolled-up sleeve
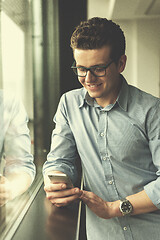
17, 143
153, 188
63, 152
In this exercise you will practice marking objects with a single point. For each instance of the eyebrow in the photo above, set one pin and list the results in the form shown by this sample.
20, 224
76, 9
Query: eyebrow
97, 65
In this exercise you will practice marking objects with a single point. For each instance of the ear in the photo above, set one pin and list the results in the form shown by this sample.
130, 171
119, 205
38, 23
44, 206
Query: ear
122, 63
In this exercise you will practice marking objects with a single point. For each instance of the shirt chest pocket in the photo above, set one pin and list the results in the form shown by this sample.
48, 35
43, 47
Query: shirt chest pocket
128, 136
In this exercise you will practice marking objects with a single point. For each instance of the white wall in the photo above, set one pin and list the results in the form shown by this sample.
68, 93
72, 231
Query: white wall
143, 53
142, 40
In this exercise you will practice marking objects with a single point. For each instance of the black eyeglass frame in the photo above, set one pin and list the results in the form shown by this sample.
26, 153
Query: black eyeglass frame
90, 69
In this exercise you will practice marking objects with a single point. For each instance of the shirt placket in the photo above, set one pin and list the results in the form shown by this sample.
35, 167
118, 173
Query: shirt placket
103, 148
108, 172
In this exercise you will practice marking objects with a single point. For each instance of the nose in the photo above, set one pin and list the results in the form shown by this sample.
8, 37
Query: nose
89, 77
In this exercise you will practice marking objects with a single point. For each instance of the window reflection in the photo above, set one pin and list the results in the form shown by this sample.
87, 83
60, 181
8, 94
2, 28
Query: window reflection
16, 97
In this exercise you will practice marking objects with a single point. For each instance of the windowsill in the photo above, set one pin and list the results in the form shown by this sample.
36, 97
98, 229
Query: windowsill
32, 215
14, 211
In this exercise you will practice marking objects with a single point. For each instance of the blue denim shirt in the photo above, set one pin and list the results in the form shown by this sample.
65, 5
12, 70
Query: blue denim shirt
119, 147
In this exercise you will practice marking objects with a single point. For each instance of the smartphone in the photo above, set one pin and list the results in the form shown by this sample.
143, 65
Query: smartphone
60, 178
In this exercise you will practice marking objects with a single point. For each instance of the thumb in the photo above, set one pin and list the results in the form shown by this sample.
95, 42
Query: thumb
84, 194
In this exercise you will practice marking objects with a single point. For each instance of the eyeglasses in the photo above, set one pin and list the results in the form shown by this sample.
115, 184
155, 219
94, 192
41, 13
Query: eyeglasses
97, 71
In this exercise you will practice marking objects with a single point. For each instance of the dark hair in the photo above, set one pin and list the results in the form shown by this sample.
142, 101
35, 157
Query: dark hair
98, 32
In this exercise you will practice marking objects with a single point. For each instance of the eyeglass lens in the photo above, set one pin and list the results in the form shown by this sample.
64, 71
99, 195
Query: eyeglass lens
97, 71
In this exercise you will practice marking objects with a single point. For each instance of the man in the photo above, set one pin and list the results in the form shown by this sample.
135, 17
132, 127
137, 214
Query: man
19, 171
115, 128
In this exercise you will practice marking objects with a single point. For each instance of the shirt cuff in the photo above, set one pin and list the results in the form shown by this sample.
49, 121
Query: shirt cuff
153, 192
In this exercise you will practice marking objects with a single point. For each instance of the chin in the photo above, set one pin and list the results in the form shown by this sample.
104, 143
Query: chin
92, 95
95, 95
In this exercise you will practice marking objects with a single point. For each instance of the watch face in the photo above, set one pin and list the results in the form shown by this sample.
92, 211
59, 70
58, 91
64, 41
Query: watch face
126, 207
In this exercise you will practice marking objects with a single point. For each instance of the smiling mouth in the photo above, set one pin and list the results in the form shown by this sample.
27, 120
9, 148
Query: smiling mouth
94, 85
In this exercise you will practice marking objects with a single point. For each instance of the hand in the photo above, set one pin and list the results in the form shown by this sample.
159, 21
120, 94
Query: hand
5, 190
97, 205
59, 195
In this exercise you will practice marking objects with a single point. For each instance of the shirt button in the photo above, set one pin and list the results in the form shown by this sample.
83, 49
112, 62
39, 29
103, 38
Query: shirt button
104, 158
110, 182
125, 228
102, 134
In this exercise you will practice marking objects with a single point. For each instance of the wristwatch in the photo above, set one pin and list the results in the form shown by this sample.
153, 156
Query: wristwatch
125, 207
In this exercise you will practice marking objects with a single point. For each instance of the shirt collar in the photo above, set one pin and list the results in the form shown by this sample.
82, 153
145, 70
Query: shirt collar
82, 100
122, 98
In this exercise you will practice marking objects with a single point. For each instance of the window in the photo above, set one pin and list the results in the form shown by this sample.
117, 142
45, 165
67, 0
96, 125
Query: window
17, 77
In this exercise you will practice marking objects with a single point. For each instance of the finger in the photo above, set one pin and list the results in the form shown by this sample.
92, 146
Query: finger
54, 187
59, 202
63, 193
88, 197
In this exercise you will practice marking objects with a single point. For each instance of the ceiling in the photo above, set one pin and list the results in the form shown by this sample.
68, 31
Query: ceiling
124, 9
17, 10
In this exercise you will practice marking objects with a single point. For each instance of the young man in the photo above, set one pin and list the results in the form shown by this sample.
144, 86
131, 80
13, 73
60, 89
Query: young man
19, 171
115, 128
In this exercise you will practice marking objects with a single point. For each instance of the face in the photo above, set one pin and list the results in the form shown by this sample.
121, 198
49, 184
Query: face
103, 89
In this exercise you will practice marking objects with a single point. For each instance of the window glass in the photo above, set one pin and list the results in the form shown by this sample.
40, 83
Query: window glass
16, 89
